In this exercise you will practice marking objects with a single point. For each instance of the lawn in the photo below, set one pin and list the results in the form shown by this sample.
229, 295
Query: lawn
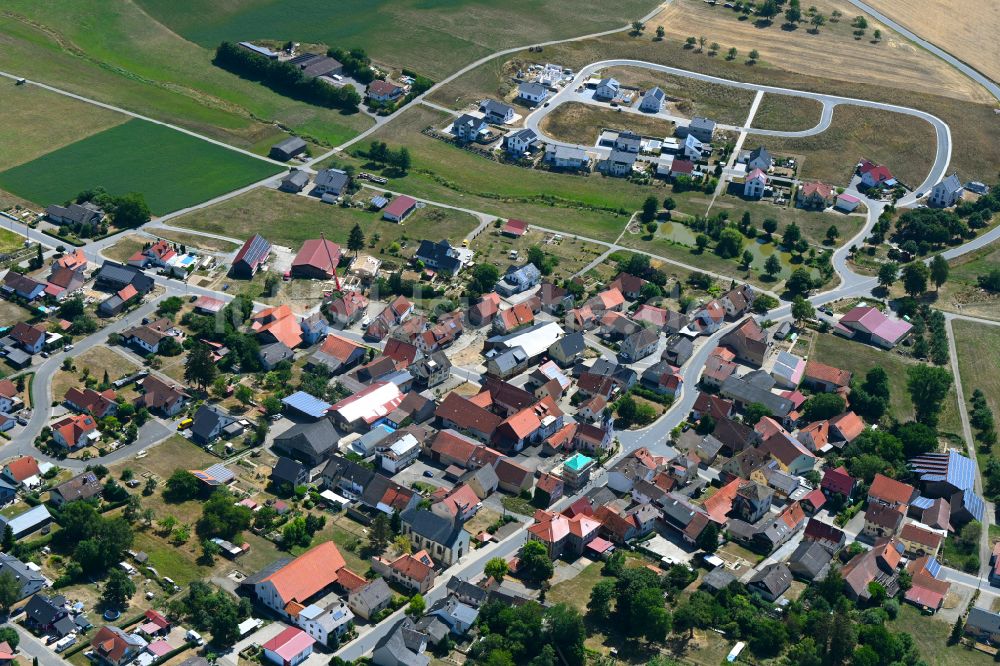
97, 360
114, 52
575, 592
37, 121
962, 293
576, 122
593, 206
903, 143
289, 220
859, 358
787, 112
978, 348
931, 637
124, 248
172, 169
433, 37
813, 224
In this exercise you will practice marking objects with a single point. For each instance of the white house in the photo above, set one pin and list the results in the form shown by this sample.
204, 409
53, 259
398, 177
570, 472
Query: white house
400, 454
566, 157
652, 101
607, 89
496, 112
532, 92
755, 183
519, 142
693, 148
946, 193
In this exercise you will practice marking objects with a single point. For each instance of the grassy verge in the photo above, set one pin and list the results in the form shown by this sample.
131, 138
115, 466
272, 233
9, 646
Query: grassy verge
978, 348
931, 637
691, 97
197, 241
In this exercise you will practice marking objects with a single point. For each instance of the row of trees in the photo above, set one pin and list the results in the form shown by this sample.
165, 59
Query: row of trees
380, 152
285, 78
127, 211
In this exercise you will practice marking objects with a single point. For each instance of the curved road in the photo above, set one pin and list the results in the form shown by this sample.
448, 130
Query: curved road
942, 157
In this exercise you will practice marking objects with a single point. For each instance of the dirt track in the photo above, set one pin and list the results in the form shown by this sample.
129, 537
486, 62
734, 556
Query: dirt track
833, 53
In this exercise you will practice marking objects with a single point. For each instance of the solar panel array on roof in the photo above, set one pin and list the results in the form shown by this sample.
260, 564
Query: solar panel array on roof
922, 502
253, 251
933, 566
306, 403
952, 467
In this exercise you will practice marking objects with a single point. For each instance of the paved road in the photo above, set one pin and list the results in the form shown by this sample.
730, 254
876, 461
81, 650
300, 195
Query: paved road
972, 73
942, 156
32, 647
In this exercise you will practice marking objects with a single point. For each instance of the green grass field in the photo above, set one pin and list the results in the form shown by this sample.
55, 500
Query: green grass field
433, 37
289, 220
593, 206
859, 358
37, 121
114, 52
978, 347
172, 169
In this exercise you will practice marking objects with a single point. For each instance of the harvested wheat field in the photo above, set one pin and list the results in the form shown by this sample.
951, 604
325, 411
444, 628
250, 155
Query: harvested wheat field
834, 53
966, 29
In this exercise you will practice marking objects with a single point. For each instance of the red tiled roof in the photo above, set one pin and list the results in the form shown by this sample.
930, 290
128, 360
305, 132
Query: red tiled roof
838, 481
849, 424
911, 532
827, 373
316, 253
22, 468
890, 490
308, 573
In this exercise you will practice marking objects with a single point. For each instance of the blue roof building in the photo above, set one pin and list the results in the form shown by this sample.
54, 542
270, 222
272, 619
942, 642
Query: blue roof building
307, 404
952, 476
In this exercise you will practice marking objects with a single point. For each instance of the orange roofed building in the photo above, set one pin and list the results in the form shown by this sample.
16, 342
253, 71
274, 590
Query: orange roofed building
286, 586
562, 535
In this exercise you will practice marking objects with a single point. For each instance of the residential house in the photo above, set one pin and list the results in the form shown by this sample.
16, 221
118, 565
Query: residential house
507, 321
678, 350
882, 521
983, 626
115, 647
210, 423
607, 89
311, 443
748, 341
86, 214
75, 431
568, 349
755, 387
752, 501
519, 142
413, 572
566, 157
89, 401
847, 202
639, 345
809, 561
815, 195
83, 486
513, 478
652, 100
518, 280
772, 581
440, 257
876, 175
384, 91
48, 615
290, 473
824, 534
161, 397
755, 184
403, 645
548, 490
877, 565
700, 128
946, 193
787, 370
619, 164
29, 580
496, 112
563, 536
663, 377
533, 93
370, 598
792, 456
918, 541
890, 492
337, 354
31, 339
467, 128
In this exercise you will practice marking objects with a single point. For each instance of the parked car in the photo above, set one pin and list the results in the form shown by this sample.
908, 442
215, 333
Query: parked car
68, 348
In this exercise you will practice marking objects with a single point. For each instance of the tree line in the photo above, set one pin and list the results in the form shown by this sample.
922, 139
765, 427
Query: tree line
285, 78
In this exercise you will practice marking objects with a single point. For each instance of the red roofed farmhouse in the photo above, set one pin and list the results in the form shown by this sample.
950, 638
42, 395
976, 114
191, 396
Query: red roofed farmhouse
287, 582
